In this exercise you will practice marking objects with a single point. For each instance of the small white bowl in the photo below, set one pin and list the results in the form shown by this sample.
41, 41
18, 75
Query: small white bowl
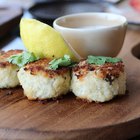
92, 33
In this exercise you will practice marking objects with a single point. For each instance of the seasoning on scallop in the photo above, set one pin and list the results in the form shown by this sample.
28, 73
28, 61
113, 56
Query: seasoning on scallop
98, 78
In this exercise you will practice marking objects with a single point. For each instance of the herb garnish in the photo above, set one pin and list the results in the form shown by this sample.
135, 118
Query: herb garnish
22, 58
100, 60
64, 61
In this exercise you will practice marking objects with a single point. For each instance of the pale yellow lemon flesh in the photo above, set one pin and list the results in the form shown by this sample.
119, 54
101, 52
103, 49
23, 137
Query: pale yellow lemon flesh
43, 40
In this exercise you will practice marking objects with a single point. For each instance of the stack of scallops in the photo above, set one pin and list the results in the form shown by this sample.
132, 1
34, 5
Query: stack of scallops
91, 82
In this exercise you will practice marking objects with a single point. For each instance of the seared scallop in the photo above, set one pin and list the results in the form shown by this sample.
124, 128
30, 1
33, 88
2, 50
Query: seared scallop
98, 83
8, 71
41, 82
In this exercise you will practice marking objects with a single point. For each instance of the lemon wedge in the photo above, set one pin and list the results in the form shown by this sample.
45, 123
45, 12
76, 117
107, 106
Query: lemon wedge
43, 40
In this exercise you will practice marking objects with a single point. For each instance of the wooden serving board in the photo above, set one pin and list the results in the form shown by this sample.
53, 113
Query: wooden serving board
68, 118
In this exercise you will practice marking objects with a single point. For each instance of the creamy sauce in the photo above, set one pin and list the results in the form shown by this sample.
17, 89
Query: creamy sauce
95, 27
90, 22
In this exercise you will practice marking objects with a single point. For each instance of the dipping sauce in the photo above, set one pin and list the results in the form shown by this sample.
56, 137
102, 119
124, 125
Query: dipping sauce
92, 33
90, 21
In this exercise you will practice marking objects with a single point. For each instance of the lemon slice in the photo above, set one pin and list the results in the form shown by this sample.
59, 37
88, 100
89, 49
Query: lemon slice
43, 40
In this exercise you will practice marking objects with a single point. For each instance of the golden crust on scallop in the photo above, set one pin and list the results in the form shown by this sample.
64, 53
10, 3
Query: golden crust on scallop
107, 70
5, 55
42, 66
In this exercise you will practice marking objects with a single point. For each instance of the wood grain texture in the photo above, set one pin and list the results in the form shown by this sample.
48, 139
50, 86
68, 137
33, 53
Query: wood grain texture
68, 118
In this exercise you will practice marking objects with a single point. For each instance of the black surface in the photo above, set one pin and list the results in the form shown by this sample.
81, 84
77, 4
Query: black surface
48, 11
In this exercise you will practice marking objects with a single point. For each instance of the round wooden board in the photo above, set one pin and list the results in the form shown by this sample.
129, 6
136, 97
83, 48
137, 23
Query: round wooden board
68, 118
